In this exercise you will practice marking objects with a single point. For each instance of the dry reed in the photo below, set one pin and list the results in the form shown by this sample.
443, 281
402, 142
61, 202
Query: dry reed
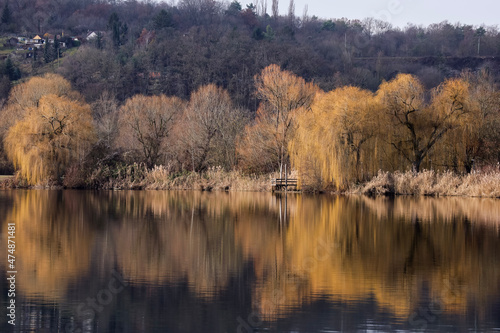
430, 183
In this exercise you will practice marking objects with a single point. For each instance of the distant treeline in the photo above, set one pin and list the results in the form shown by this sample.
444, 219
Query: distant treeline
156, 48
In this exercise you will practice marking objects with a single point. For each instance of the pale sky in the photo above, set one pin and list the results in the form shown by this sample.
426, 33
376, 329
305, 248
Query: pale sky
399, 12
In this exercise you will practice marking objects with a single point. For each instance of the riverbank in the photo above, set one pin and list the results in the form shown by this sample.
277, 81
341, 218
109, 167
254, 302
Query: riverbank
430, 183
138, 177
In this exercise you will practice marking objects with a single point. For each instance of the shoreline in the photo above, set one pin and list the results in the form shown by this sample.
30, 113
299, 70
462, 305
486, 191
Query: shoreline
385, 184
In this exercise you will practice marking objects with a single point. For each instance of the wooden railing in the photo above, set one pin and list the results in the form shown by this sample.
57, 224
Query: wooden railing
280, 184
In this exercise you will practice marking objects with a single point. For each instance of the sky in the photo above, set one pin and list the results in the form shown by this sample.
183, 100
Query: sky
399, 12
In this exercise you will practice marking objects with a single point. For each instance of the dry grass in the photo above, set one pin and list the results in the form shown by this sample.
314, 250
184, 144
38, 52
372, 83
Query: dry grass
161, 178
430, 183
164, 178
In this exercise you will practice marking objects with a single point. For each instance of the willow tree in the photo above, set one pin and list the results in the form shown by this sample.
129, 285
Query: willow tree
145, 124
477, 135
49, 137
28, 94
452, 110
413, 128
284, 97
333, 143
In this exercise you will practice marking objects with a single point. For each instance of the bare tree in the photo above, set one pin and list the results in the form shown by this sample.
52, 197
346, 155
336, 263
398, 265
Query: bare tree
211, 124
145, 124
305, 15
291, 12
105, 113
275, 9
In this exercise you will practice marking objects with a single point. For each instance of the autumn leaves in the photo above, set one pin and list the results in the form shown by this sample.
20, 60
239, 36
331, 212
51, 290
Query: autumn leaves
332, 138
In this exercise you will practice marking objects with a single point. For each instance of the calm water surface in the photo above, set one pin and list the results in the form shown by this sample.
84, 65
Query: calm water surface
155, 261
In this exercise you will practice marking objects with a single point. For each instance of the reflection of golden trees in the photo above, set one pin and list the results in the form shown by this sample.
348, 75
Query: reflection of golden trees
186, 236
351, 249
53, 241
399, 252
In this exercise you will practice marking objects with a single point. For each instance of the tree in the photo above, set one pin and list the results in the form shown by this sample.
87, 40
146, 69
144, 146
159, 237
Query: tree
163, 20
146, 123
475, 138
291, 13
257, 148
480, 32
6, 15
118, 29
413, 127
332, 144
105, 114
28, 94
11, 70
48, 51
275, 8
211, 125
23, 106
49, 137
284, 96
234, 8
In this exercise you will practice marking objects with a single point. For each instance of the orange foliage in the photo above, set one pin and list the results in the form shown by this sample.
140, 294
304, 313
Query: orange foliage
49, 137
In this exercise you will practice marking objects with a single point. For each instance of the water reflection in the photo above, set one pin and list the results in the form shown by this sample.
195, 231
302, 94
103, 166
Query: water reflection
196, 261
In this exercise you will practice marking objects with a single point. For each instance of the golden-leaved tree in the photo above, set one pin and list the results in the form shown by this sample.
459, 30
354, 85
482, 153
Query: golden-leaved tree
49, 136
476, 137
146, 123
28, 94
284, 97
334, 143
411, 126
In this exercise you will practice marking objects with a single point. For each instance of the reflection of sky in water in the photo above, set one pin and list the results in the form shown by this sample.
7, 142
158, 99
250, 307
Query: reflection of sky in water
194, 260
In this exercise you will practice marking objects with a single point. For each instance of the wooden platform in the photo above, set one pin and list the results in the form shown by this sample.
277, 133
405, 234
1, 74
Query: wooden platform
284, 184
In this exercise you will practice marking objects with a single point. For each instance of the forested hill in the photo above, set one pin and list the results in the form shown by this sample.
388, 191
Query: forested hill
150, 48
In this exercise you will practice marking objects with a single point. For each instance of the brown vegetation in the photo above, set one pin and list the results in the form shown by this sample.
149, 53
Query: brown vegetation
145, 124
284, 97
49, 130
333, 139
430, 183
350, 134
166, 178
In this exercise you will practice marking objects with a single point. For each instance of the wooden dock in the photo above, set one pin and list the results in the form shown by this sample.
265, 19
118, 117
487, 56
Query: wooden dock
284, 184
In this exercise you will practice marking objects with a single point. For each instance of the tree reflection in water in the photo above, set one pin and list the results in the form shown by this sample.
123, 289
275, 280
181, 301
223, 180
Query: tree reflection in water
194, 260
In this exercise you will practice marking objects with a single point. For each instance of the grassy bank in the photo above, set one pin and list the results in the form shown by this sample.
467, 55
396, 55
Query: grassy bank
138, 177
430, 183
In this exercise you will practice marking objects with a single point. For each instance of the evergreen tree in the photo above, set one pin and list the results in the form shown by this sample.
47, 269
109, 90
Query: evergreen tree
56, 49
11, 70
163, 20
48, 54
118, 30
6, 14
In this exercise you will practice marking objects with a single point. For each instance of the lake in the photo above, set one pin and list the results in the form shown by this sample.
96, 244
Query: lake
158, 261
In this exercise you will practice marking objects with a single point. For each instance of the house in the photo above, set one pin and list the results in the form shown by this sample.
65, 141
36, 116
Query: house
91, 35
49, 37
